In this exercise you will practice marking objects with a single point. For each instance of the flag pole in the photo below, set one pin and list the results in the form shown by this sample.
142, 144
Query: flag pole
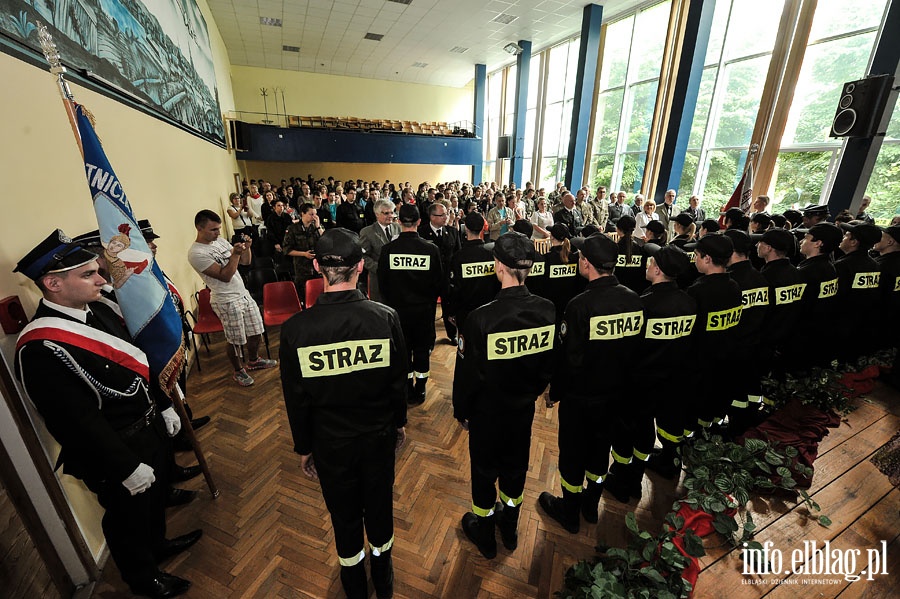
56, 68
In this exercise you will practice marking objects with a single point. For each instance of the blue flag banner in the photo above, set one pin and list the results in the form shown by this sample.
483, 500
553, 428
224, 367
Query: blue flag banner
141, 289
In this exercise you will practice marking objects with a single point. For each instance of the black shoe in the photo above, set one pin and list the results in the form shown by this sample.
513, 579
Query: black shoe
508, 522
590, 500
614, 484
382, 567
179, 497
172, 547
557, 508
197, 423
163, 586
480, 530
353, 579
181, 474
664, 465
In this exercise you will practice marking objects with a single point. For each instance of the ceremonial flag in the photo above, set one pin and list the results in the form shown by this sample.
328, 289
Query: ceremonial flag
141, 289
743, 194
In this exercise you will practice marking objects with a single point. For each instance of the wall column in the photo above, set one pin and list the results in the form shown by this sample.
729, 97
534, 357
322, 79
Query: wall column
523, 66
478, 118
583, 106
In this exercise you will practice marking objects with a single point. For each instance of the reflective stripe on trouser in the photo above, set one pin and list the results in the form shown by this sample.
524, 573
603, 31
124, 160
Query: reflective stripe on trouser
511, 501
352, 561
595, 478
584, 441
482, 512
569, 486
620, 458
641, 456
665, 435
376, 551
421, 375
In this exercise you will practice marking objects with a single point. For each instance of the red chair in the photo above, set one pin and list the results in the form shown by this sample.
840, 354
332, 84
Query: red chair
280, 302
313, 288
205, 322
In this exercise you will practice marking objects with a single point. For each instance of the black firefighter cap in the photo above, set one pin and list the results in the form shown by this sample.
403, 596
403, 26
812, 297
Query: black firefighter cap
408, 215
780, 240
339, 247
474, 222
515, 250
742, 242
670, 259
57, 253
684, 219
711, 225
524, 227
865, 233
600, 251
828, 233
717, 247
816, 210
147, 230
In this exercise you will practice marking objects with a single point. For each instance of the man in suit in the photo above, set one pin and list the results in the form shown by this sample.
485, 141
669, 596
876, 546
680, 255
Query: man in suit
373, 238
447, 241
667, 213
93, 389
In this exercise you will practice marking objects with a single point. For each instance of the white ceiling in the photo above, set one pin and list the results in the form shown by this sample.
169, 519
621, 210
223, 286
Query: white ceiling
330, 34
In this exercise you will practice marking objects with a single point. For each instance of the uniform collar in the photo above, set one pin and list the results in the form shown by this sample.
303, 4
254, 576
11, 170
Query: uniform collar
610, 281
513, 292
79, 315
340, 297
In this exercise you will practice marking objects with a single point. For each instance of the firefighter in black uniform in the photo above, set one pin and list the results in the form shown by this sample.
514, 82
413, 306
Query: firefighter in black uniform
888, 248
91, 385
472, 282
630, 265
814, 332
787, 292
669, 318
501, 368
718, 314
859, 278
606, 320
561, 281
754, 356
344, 376
410, 278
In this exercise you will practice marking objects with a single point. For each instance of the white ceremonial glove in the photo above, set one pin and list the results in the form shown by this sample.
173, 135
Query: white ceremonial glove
173, 422
140, 480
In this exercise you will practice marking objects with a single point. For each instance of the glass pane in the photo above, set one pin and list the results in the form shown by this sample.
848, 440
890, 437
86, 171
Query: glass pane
534, 77
565, 129
508, 123
688, 174
530, 117
615, 53
717, 32
834, 17
572, 68
643, 98
632, 171
722, 177
549, 173
490, 152
606, 123
526, 171
556, 78
743, 89
487, 172
552, 126
601, 171
884, 186
799, 178
825, 68
701, 112
647, 44
893, 130
752, 28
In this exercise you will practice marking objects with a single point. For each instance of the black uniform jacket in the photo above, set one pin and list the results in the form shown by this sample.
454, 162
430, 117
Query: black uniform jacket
601, 341
787, 292
820, 300
755, 304
890, 289
632, 272
351, 215
472, 282
718, 315
561, 281
344, 369
505, 354
409, 271
448, 243
669, 319
859, 278
86, 396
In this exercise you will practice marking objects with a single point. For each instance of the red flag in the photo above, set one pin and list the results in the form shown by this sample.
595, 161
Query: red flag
742, 196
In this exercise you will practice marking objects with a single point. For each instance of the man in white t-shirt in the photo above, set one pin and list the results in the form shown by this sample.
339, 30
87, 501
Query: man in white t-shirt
216, 261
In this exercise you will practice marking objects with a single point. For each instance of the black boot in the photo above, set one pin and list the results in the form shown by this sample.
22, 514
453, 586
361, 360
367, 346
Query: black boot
563, 509
508, 522
353, 579
382, 567
616, 485
420, 390
480, 530
590, 499
666, 462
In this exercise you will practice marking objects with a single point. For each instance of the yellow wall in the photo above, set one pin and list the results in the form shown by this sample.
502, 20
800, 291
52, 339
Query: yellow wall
314, 94
343, 171
167, 174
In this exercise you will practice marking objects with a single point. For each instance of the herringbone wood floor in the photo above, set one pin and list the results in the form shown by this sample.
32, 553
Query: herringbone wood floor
269, 534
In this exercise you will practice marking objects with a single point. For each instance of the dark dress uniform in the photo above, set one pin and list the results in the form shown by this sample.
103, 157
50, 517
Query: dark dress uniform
754, 356
448, 244
600, 345
561, 280
819, 310
472, 282
410, 278
104, 416
787, 292
351, 215
631, 271
859, 278
688, 278
719, 302
502, 366
890, 298
343, 372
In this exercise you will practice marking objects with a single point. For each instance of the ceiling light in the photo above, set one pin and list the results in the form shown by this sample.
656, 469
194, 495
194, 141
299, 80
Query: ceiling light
375, 37
420, 65
270, 21
290, 48
504, 18
400, 1
459, 49
513, 48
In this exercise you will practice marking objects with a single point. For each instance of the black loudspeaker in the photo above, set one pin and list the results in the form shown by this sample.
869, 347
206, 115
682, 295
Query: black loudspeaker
504, 146
860, 107
240, 136
12, 315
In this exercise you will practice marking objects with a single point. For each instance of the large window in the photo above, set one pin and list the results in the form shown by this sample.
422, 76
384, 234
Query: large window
558, 97
493, 99
884, 186
840, 43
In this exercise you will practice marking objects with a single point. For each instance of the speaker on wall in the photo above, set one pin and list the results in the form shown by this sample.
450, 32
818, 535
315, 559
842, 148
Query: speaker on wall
240, 136
12, 315
504, 146
860, 106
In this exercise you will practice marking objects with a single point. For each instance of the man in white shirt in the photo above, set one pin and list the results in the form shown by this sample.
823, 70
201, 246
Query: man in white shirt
216, 261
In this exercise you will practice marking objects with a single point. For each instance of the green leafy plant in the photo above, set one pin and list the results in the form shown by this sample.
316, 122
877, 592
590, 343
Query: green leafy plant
649, 567
819, 387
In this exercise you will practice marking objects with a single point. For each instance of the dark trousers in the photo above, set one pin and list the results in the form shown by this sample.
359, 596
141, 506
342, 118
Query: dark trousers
135, 525
357, 478
499, 445
584, 441
417, 323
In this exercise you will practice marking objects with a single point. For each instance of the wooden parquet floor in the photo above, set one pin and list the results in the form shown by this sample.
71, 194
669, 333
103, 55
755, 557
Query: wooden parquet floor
269, 534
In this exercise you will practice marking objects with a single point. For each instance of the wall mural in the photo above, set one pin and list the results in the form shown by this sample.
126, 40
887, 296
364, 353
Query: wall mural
162, 57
